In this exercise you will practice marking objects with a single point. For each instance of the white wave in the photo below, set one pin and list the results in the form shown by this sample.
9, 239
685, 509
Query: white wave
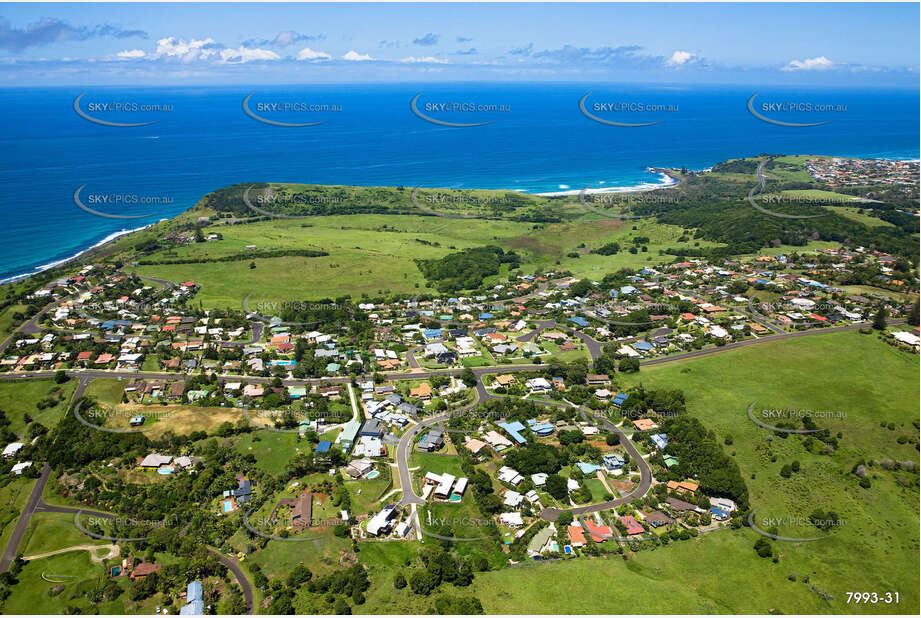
50, 265
664, 181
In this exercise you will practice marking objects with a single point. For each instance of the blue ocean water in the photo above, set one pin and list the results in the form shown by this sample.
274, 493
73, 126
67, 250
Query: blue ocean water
537, 141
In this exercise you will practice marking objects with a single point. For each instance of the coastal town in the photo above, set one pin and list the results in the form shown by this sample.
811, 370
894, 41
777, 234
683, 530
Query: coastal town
507, 425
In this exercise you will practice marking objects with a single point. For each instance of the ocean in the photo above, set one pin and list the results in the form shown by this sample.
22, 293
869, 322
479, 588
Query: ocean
538, 140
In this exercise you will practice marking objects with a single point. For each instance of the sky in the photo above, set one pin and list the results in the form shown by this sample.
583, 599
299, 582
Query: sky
834, 44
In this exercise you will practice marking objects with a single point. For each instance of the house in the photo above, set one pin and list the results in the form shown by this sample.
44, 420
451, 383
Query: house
633, 526
539, 479
144, 569
382, 522
155, 461
11, 449
595, 379
372, 428
194, 598
423, 391
598, 532
513, 499
660, 440
19, 467
510, 476
497, 440
540, 541
543, 429
587, 468
432, 441
513, 429
512, 520
680, 505
689, 487
576, 536
473, 445
505, 380
658, 518
613, 461
443, 488
645, 424
302, 510
358, 468
539, 385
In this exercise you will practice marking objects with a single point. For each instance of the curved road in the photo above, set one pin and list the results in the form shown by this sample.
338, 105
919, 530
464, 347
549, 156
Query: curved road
549, 514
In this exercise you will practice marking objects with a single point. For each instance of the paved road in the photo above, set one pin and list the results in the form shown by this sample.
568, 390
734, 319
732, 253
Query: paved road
391, 375
30, 326
234, 567
755, 317
12, 546
403, 452
550, 514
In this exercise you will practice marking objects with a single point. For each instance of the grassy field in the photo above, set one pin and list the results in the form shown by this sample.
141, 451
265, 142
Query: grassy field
875, 550
13, 497
53, 531
367, 250
273, 450
19, 398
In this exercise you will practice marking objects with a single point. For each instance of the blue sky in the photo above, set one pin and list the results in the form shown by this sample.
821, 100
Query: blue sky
816, 44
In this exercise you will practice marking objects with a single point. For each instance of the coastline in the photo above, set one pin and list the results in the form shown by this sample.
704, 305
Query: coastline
665, 181
40, 269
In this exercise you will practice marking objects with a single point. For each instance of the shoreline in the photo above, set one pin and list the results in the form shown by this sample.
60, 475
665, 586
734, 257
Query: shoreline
665, 181
40, 269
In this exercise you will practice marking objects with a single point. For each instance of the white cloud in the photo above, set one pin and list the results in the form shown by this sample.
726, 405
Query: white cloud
354, 55
310, 54
679, 58
247, 54
427, 59
820, 63
131, 53
186, 51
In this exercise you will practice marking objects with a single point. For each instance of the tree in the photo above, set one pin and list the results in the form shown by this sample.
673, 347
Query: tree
786, 471
763, 548
399, 581
341, 607
565, 518
879, 320
424, 582
60, 377
913, 317
629, 365
468, 377
556, 486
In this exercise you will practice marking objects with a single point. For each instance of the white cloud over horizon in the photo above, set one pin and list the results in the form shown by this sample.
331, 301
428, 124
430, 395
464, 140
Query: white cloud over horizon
819, 63
356, 57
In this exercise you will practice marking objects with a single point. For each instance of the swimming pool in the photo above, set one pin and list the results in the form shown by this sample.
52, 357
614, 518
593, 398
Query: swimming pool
165, 470
373, 474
